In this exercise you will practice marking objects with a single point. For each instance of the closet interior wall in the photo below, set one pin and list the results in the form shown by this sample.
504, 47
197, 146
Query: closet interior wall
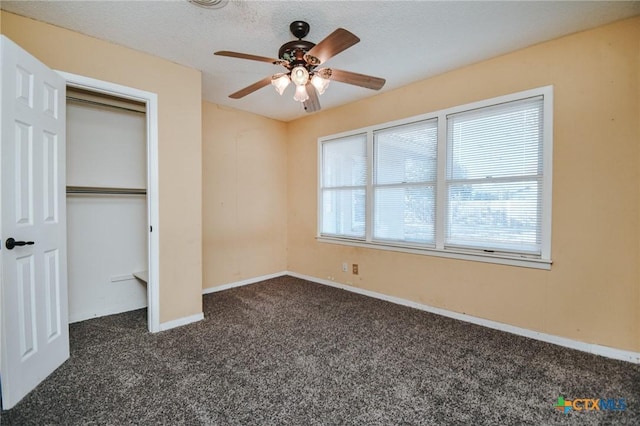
106, 230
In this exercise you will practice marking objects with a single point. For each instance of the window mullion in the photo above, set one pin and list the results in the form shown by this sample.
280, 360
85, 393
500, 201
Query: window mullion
341, 188
501, 179
369, 189
407, 184
441, 182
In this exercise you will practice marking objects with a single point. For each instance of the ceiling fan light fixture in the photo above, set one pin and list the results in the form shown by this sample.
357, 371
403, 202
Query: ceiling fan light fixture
320, 80
300, 76
280, 82
301, 94
320, 84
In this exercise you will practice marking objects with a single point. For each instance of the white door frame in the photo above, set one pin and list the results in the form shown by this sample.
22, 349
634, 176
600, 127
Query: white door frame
151, 101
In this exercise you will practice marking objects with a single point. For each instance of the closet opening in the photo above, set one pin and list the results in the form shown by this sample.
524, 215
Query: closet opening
111, 172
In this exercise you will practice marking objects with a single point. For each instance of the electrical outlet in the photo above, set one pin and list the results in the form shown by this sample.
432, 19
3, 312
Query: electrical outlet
354, 269
345, 267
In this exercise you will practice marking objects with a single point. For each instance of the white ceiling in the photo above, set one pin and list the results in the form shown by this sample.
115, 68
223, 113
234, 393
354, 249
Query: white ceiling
402, 41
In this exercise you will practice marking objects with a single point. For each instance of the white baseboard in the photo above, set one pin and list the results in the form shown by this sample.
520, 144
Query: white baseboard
605, 351
243, 282
592, 348
181, 321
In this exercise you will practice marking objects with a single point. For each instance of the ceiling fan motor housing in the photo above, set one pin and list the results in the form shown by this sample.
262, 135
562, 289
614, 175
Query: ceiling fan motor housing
295, 50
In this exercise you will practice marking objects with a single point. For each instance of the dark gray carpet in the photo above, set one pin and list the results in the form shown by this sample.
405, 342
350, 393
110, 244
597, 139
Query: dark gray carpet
287, 351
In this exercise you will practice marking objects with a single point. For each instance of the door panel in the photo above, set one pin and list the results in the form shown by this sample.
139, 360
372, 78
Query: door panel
23, 172
50, 100
26, 306
24, 86
52, 293
34, 323
50, 194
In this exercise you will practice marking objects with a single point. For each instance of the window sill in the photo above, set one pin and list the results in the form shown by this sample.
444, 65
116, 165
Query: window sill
450, 254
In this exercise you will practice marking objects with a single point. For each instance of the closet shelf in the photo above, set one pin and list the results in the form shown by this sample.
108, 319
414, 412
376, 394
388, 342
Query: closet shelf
109, 103
142, 276
99, 190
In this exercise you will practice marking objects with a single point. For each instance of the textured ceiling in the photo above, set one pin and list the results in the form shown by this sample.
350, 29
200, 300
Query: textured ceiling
400, 41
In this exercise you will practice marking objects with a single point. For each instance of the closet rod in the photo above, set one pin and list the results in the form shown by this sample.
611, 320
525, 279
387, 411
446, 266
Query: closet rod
87, 101
98, 190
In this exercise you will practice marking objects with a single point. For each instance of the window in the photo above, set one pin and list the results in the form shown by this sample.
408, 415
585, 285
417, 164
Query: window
344, 177
404, 187
470, 182
494, 178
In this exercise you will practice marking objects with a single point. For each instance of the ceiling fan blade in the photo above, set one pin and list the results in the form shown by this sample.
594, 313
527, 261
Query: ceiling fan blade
333, 44
313, 103
250, 89
356, 79
251, 57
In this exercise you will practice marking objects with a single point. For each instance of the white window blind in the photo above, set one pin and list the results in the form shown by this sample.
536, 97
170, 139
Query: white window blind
404, 182
343, 186
494, 178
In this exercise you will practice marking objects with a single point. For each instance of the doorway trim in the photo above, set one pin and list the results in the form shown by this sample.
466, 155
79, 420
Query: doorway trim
151, 101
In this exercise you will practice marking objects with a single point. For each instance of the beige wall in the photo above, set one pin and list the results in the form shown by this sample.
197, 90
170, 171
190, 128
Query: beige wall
244, 159
592, 292
180, 142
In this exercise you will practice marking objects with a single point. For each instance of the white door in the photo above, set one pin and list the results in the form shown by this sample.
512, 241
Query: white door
35, 331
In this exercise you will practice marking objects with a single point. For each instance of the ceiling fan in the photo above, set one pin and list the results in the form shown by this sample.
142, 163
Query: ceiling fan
301, 58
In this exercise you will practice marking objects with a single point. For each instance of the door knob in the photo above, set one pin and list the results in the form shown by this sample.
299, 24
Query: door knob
11, 243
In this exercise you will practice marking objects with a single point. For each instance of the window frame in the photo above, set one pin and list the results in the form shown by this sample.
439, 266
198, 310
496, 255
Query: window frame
438, 249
